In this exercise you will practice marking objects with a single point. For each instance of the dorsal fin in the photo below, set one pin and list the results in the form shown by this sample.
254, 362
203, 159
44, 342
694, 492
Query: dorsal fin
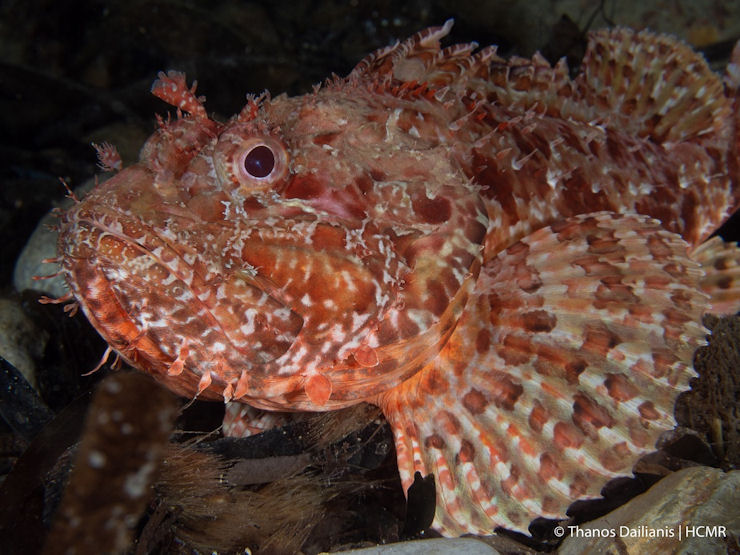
529, 84
643, 83
652, 85
403, 61
420, 59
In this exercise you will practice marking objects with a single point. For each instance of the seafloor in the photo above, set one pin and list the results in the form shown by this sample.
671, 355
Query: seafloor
72, 73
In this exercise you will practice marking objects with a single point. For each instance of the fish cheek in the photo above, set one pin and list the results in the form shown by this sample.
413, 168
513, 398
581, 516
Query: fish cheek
256, 324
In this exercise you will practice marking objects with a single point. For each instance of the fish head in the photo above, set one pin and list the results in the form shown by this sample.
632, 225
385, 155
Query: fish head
307, 254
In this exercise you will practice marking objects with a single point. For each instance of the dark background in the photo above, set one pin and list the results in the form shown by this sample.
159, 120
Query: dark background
76, 72
72, 73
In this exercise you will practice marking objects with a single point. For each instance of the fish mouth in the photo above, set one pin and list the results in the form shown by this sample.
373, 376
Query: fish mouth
151, 296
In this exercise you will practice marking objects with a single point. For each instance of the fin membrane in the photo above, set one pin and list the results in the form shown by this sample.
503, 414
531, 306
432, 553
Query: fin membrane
646, 84
652, 85
721, 264
562, 371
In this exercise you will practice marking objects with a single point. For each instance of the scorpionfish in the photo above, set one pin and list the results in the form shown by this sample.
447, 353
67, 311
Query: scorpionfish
512, 262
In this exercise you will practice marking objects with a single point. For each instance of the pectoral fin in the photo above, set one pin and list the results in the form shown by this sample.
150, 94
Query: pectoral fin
562, 371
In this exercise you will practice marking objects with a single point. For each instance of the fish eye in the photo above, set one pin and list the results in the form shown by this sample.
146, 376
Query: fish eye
250, 162
259, 161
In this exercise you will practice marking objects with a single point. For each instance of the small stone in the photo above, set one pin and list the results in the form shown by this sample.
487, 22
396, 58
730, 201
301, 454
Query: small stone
469, 546
694, 510
40, 246
20, 340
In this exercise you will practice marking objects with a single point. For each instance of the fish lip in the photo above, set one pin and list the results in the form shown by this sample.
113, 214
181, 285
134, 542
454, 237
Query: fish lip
88, 271
103, 221
86, 231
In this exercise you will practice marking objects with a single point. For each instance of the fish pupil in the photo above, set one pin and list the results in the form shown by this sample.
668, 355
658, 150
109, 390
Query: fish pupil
259, 162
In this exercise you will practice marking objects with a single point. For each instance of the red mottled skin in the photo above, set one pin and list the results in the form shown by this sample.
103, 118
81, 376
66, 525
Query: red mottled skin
510, 262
